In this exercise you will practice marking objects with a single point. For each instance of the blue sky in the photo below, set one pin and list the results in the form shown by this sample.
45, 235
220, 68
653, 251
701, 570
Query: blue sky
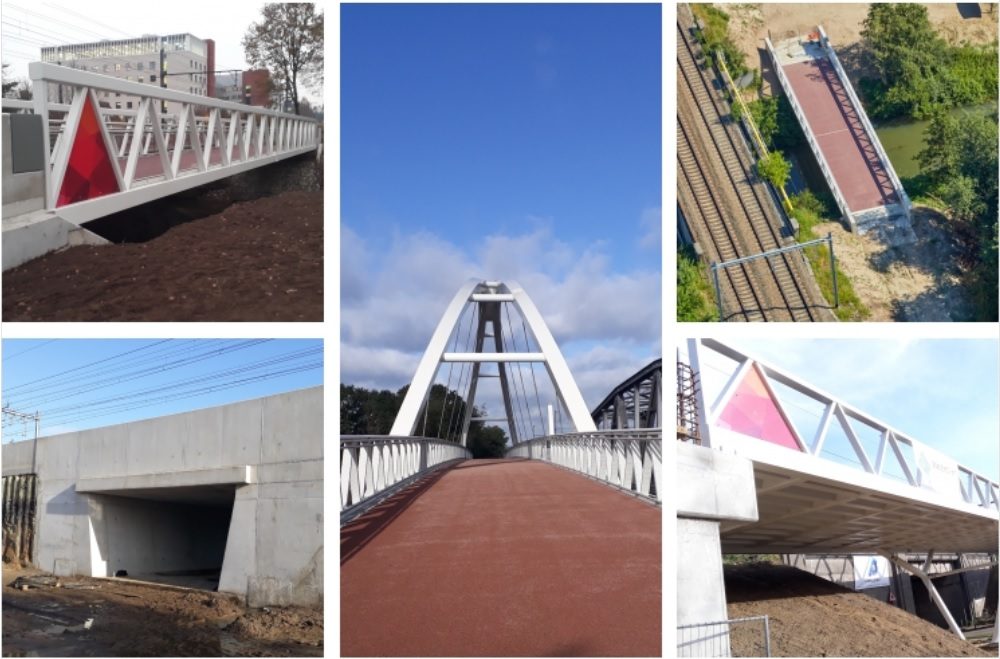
79, 384
942, 393
501, 141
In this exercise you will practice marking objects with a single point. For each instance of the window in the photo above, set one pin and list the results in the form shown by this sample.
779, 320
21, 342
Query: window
118, 67
152, 78
152, 66
141, 79
105, 68
129, 105
139, 67
128, 65
118, 105
118, 93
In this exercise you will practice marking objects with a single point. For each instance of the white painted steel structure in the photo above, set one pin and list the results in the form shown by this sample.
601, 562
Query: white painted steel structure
628, 459
487, 296
374, 466
959, 507
807, 502
245, 137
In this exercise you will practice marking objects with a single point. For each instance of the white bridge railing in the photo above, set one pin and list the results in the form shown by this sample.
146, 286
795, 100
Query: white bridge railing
629, 459
374, 466
155, 154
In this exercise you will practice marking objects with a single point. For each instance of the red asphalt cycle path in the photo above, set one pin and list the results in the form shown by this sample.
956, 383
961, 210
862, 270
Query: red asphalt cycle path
503, 558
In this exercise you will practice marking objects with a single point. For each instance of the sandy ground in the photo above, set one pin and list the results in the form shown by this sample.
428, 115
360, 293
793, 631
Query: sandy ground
751, 22
916, 282
811, 617
137, 620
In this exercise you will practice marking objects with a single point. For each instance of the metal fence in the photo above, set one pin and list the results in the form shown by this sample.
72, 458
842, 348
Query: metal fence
738, 637
374, 466
629, 459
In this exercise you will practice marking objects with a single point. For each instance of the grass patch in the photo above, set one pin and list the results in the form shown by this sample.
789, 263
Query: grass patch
809, 211
695, 298
750, 559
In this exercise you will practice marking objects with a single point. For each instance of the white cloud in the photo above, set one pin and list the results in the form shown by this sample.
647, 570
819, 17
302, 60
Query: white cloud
399, 290
651, 228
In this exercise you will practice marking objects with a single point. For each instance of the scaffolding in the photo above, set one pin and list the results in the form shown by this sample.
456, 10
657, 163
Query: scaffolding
687, 404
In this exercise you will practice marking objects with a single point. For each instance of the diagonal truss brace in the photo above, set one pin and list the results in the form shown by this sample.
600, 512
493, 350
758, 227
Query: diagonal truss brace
929, 585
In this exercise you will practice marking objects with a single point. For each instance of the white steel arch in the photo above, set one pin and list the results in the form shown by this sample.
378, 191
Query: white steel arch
484, 294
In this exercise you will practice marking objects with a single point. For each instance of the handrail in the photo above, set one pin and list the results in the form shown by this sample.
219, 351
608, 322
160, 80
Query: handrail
56, 74
631, 460
373, 467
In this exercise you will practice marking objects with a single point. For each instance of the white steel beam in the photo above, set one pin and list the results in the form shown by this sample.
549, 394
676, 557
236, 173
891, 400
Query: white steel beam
480, 357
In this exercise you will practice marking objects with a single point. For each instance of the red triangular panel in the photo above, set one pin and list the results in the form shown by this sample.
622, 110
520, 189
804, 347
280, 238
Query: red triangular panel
752, 411
89, 173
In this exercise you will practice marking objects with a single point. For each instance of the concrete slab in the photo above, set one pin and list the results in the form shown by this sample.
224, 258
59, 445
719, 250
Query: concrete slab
238, 475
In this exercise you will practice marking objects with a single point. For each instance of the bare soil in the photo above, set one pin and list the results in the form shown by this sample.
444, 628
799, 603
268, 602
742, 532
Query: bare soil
259, 260
811, 617
138, 620
921, 281
751, 22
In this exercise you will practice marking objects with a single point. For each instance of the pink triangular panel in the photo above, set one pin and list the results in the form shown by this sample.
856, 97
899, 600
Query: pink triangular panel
89, 173
751, 411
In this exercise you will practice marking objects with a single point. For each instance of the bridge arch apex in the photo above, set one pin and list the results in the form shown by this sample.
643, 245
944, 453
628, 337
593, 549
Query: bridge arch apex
487, 296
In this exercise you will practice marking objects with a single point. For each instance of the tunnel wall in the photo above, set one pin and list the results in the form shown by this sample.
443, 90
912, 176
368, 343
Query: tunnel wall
143, 537
274, 552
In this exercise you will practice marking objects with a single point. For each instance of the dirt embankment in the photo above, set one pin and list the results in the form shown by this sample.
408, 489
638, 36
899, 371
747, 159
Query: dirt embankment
811, 617
259, 260
919, 282
135, 620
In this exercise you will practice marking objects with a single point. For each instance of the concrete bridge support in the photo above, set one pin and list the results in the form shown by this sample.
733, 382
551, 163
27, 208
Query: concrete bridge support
712, 487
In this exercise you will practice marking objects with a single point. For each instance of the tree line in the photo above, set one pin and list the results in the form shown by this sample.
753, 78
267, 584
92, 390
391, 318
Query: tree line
372, 412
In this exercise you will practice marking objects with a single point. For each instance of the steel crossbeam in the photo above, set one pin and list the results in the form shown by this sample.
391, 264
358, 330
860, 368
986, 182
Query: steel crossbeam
631, 460
229, 139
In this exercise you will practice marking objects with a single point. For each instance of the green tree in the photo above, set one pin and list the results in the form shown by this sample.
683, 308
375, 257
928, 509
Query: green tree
288, 41
487, 442
695, 301
775, 169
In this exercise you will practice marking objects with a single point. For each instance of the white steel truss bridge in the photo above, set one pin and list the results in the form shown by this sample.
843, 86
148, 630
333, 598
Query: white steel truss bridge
830, 478
100, 160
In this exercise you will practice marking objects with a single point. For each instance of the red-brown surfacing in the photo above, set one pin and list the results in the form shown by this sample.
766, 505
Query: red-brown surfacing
259, 260
845, 144
507, 558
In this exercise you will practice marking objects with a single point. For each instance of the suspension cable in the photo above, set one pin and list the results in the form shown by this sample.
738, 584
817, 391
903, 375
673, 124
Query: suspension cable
527, 415
458, 387
447, 389
520, 374
534, 382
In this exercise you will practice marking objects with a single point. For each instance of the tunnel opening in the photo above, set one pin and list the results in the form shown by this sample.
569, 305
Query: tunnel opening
175, 536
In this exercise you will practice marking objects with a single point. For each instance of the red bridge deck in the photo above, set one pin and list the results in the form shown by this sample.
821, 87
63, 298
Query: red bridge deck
842, 138
503, 558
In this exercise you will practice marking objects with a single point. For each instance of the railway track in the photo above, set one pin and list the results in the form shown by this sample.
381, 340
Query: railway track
726, 205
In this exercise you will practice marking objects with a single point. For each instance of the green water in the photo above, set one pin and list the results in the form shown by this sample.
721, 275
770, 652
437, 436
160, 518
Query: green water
904, 139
